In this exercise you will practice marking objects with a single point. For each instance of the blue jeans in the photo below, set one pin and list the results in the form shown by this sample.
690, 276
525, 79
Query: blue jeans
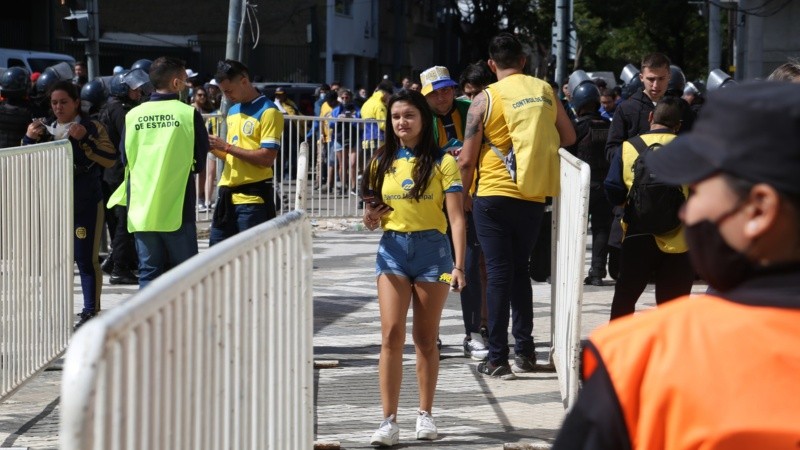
507, 229
472, 294
247, 216
160, 251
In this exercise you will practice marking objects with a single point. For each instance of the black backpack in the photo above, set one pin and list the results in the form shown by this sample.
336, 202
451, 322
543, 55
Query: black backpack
652, 206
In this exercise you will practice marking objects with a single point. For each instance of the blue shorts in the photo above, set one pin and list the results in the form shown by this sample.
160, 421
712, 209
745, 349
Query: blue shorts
419, 256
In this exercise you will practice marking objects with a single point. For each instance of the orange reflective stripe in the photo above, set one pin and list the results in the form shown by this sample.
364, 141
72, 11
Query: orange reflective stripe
589, 363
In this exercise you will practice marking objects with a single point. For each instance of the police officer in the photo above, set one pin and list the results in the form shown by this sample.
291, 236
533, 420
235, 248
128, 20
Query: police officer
675, 87
94, 95
15, 111
591, 134
715, 370
127, 90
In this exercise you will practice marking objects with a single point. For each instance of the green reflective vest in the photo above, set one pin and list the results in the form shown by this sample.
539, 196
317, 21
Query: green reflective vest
159, 149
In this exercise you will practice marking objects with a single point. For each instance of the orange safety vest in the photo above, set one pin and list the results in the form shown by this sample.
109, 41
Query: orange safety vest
701, 372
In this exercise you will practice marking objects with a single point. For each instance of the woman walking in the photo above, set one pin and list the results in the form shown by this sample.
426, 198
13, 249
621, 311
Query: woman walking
408, 182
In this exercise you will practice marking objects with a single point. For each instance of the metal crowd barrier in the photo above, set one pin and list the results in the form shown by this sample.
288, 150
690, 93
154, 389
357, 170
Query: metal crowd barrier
36, 259
570, 221
216, 353
336, 157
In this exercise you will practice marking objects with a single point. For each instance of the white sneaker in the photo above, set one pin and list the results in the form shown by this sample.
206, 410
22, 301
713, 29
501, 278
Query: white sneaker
475, 348
426, 428
387, 434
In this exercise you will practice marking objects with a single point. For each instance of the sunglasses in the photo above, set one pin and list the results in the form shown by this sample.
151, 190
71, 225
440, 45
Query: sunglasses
226, 68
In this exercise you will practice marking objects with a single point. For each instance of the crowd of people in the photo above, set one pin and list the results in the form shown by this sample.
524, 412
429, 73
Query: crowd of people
686, 184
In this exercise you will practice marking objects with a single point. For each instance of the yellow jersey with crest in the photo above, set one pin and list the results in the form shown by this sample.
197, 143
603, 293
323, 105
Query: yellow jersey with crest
251, 126
409, 214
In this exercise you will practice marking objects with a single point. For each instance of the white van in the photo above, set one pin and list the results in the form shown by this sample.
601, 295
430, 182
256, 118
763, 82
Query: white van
33, 61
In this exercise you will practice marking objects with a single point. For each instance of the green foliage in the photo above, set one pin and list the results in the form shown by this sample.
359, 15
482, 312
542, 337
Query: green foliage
613, 34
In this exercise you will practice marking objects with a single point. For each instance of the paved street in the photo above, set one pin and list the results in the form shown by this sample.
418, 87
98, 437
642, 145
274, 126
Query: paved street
472, 412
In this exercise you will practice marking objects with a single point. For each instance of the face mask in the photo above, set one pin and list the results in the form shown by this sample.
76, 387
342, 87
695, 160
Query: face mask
722, 266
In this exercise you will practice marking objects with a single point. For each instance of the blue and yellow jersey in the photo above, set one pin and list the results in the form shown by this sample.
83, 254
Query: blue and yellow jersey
452, 125
410, 214
253, 125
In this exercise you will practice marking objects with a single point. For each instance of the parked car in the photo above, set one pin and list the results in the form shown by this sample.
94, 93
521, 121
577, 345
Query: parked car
33, 61
302, 94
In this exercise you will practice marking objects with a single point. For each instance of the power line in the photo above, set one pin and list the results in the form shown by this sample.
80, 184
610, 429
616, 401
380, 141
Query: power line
758, 11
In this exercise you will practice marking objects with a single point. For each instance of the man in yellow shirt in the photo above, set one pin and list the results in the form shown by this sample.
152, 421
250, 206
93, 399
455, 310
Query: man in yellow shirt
375, 108
255, 125
507, 222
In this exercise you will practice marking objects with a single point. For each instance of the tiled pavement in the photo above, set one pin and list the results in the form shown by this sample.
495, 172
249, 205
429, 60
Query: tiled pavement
472, 412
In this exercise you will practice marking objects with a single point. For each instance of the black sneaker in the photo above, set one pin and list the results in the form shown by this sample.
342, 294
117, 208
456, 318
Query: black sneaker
523, 364
82, 319
108, 264
503, 371
123, 277
593, 280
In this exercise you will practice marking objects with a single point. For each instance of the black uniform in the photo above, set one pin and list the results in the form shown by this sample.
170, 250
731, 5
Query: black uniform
15, 116
123, 251
592, 133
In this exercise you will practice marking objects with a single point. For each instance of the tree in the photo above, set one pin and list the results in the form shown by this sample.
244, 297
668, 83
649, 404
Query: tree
481, 20
613, 34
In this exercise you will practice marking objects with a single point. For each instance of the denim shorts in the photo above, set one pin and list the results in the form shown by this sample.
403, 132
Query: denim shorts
419, 256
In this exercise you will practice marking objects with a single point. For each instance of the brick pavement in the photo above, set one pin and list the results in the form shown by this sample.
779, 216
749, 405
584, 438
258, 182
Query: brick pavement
472, 412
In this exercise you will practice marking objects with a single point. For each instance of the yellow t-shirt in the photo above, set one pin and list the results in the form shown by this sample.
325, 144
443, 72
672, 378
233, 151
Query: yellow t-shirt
493, 177
325, 111
251, 126
674, 241
425, 214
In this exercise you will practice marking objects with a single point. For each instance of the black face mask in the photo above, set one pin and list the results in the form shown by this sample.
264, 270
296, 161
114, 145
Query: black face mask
715, 261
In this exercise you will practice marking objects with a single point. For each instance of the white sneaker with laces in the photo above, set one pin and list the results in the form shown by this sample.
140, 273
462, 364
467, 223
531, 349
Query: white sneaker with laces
387, 434
475, 348
426, 428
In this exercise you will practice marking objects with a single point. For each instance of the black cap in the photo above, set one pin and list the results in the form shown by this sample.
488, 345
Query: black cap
750, 131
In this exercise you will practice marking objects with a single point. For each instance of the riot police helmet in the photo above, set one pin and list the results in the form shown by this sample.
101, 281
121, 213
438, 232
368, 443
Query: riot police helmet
143, 64
94, 94
677, 81
718, 79
584, 94
629, 74
576, 78
52, 75
15, 81
129, 80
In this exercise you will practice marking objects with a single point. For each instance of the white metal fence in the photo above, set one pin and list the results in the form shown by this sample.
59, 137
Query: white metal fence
336, 157
36, 261
215, 354
570, 221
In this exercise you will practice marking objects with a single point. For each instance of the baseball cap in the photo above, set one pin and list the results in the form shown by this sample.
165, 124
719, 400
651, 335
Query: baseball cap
749, 130
436, 77
191, 73
279, 90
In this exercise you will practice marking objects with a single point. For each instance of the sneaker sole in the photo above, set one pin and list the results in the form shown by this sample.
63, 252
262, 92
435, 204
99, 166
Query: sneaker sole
476, 358
385, 441
517, 369
507, 376
427, 435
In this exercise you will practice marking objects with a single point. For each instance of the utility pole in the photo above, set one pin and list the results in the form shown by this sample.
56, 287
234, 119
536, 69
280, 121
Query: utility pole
93, 44
562, 39
232, 51
714, 37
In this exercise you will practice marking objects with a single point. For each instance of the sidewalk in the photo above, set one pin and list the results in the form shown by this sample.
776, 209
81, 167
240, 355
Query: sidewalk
472, 411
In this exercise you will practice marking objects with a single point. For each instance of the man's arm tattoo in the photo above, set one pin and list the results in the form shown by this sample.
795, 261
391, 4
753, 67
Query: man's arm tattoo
475, 116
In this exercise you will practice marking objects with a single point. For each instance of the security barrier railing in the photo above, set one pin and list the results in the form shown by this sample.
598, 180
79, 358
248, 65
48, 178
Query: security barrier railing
337, 153
570, 221
217, 353
36, 261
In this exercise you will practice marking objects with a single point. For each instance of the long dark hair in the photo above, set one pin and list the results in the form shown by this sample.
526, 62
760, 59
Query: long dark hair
426, 152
